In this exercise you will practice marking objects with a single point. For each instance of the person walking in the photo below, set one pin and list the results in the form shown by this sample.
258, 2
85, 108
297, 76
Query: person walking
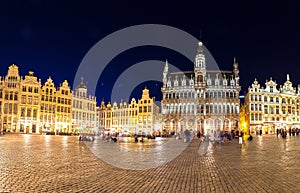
187, 135
198, 134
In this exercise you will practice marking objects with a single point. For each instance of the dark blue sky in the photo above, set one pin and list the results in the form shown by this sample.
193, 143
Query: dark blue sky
52, 37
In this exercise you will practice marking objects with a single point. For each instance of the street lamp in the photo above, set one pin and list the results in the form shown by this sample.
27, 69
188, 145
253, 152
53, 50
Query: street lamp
246, 131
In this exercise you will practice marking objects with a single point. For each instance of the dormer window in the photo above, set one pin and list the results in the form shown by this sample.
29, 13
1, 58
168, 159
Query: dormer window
191, 82
232, 82
271, 88
183, 81
217, 82
169, 83
208, 82
224, 81
176, 82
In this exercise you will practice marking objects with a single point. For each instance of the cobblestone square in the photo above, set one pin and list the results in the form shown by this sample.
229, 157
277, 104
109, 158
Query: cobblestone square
39, 163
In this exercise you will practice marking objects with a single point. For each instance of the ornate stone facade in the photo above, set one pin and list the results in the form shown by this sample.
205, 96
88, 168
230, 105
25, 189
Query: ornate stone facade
140, 116
201, 99
27, 106
84, 118
269, 108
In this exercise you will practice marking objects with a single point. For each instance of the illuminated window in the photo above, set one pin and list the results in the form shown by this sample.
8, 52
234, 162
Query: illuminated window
266, 109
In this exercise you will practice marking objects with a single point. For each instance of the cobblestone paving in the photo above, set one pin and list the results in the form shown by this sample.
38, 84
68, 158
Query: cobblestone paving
30, 163
137, 156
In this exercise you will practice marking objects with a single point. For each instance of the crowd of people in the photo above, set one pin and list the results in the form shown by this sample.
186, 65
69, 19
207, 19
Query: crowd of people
284, 132
223, 136
86, 137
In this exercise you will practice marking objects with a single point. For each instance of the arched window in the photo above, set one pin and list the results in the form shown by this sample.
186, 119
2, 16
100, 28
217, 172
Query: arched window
200, 78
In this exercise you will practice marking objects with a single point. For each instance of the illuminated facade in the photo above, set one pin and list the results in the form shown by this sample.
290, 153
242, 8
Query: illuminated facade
27, 106
201, 99
148, 114
48, 106
84, 116
269, 108
104, 113
11, 85
134, 117
63, 108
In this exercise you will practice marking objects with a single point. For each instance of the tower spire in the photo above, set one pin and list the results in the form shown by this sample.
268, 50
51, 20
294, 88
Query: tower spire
235, 66
166, 69
165, 73
236, 71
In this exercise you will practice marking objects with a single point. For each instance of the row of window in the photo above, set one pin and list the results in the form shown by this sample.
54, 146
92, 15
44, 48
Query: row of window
13, 78
48, 108
124, 121
273, 109
12, 85
272, 89
10, 96
49, 90
64, 92
223, 109
63, 109
120, 113
80, 105
183, 83
145, 109
259, 117
9, 119
63, 101
115, 106
28, 112
10, 108
29, 100
14, 96
216, 94
83, 116
272, 99
49, 118
80, 94
30, 89
210, 108
217, 82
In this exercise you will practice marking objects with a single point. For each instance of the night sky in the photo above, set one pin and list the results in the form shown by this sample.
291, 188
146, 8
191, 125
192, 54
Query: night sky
52, 37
